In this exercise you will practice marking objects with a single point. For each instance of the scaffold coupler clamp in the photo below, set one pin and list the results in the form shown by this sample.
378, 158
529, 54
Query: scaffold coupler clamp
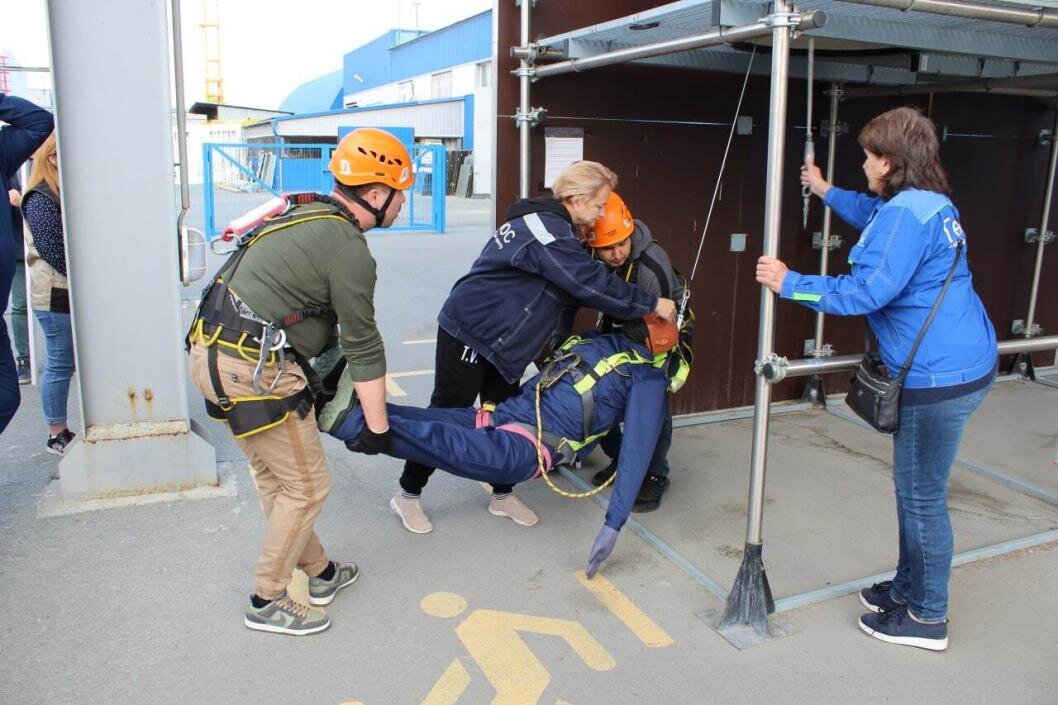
534, 116
773, 367
826, 350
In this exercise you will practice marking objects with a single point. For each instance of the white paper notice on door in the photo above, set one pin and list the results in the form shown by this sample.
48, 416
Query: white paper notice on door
563, 146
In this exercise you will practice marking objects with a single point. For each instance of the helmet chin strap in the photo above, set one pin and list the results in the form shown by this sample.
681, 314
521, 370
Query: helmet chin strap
379, 213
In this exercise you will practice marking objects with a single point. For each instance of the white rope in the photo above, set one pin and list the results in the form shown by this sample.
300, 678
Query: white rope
720, 176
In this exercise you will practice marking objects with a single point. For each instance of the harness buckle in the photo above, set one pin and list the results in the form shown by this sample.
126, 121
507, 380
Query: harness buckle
272, 340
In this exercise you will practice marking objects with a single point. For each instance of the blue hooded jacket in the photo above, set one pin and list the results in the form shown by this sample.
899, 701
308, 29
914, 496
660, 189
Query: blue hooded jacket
899, 266
634, 394
507, 306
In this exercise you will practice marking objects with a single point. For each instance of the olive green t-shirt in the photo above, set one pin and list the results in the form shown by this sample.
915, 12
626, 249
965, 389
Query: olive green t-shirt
315, 263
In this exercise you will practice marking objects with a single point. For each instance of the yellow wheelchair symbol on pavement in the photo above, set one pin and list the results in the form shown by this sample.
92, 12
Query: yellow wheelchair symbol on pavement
492, 639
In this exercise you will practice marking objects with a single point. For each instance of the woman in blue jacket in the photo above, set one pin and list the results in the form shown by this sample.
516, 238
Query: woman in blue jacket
910, 234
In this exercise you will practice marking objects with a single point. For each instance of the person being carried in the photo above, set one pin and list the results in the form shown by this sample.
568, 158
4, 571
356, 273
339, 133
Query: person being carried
267, 311
589, 387
627, 248
500, 314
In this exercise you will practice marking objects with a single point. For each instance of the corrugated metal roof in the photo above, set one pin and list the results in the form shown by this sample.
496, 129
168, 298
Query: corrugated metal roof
438, 118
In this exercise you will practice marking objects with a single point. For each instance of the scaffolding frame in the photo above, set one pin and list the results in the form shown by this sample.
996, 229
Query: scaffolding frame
745, 617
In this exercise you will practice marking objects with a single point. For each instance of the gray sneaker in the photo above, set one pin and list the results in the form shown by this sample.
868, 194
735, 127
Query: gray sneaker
24, 374
334, 412
284, 616
322, 592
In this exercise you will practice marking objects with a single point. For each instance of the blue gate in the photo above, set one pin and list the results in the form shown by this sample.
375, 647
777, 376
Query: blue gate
240, 176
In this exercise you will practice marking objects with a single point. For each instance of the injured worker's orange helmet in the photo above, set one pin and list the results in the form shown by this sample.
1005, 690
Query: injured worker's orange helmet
368, 155
614, 226
662, 335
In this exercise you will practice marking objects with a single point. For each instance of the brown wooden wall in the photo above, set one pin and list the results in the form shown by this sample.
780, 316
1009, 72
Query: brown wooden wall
667, 175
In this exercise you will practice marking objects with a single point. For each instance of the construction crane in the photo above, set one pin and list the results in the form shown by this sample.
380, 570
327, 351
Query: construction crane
211, 41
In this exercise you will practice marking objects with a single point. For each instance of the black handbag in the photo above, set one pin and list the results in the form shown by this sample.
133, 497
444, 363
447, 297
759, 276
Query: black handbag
874, 395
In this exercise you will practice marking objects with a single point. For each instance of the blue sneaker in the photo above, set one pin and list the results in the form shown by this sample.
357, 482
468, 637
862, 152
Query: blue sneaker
899, 627
878, 597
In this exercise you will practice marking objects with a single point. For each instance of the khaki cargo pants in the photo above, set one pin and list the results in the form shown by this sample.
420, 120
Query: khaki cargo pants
288, 466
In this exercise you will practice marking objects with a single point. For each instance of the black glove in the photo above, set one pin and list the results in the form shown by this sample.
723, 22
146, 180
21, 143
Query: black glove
371, 443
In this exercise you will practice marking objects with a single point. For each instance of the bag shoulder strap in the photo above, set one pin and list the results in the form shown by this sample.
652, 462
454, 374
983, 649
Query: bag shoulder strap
932, 314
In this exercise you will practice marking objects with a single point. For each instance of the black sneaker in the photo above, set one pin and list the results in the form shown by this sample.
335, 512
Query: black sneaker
600, 478
899, 627
878, 597
650, 493
56, 445
22, 367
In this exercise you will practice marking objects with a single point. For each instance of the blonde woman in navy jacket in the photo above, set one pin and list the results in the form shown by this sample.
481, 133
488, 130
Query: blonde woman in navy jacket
910, 232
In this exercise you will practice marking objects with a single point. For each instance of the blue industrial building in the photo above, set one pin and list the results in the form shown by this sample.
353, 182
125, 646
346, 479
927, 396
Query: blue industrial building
438, 84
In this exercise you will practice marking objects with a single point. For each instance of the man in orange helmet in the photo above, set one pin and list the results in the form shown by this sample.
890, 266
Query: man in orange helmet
271, 308
626, 247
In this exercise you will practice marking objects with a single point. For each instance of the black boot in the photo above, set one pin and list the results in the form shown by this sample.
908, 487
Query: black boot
650, 493
600, 478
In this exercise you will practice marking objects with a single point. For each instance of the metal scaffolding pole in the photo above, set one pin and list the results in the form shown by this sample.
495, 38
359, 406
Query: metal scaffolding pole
123, 265
815, 392
712, 37
750, 600
824, 253
1022, 363
524, 75
778, 369
1042, 238
953, 8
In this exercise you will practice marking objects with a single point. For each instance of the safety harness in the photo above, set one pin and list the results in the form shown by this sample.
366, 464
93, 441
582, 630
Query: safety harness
584, 376
681, 358
225, 322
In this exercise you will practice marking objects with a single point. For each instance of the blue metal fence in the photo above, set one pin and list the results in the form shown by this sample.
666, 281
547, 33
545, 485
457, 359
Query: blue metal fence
241, 176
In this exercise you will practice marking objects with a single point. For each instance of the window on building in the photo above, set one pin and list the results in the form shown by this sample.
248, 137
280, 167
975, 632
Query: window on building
483, 74
441, 85
407, 91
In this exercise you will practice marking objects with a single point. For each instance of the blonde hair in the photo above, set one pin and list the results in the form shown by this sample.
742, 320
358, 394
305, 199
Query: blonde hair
583, 179
43, 169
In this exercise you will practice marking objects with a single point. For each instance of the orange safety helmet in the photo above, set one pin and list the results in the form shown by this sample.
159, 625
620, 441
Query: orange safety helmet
662, 335
614, 226
368, 155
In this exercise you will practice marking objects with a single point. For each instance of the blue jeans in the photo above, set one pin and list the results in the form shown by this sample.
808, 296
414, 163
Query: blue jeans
659, 462
58, 366
924, 448
19, 313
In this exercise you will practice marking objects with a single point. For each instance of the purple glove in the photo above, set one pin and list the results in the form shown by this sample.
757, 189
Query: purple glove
601, 549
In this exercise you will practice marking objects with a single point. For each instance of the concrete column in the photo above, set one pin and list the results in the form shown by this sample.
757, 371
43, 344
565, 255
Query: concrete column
112, 95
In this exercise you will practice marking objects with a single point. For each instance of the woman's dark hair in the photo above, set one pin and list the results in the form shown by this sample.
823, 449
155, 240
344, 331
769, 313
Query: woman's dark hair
908, 139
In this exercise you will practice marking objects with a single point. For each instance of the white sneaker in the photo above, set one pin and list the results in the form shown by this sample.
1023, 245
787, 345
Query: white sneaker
512, 508
411, 514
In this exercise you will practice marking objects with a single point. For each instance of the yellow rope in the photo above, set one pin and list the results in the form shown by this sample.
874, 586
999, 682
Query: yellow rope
541, 465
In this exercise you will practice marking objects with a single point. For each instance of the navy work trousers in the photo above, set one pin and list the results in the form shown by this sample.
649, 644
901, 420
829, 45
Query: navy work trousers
446, 439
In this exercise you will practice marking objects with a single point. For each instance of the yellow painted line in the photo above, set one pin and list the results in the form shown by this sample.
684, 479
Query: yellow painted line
450, 686
645, 629
419, 342
411, 373
393, 389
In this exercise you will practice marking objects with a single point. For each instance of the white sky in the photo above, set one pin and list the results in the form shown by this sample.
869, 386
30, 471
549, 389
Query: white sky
266, 52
